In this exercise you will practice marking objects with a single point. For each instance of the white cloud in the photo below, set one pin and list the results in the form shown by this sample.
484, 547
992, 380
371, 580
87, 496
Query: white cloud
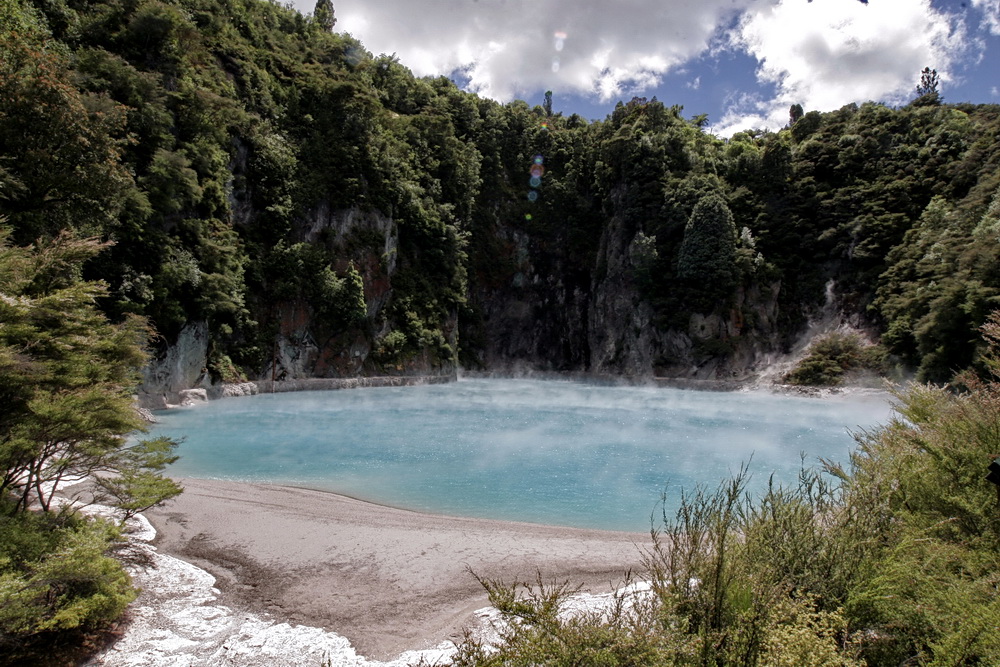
991, 13
826, 53
821, 54
509, 48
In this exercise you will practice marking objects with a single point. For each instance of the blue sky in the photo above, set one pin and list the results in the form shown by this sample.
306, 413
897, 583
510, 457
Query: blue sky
741, 62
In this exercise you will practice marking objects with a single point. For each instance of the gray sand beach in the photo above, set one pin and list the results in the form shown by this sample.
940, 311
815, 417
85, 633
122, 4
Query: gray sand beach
389, 580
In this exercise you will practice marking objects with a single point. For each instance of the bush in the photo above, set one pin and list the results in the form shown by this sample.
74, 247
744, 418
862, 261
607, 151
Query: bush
893, 560
57, 576
832, 356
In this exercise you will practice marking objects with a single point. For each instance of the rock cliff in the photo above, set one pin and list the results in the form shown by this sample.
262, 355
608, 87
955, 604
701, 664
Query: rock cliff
545, 314
542, 310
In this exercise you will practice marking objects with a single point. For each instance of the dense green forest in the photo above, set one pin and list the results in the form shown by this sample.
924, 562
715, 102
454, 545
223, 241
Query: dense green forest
261, 174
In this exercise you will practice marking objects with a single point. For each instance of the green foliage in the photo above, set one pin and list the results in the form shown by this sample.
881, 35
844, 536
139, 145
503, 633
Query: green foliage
644, 257
57, 575
795, 113
706, 262
60, 148
833, 356
70, 372
927, 89
895, 563
20, 17
302, 271
535, 631
201, 137
66, 380
242, 156
340, 301
390, 348
138, 485
940, 284
799, 634
933, 585
323, 15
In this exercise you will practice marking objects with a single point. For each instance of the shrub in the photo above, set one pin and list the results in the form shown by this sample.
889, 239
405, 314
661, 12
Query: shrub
892, 560
834, 355
56, 575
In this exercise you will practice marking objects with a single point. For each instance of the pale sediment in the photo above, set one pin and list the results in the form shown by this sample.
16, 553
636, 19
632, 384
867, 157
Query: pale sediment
388, 580
159, 398
325, 384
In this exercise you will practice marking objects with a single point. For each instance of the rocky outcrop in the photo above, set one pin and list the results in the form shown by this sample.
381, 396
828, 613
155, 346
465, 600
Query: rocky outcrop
181, 366
540, 303
365, 241
621, 334
535, 316
547, 314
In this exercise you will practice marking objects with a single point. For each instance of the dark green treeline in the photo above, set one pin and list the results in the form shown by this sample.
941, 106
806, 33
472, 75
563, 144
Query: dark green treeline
265, 175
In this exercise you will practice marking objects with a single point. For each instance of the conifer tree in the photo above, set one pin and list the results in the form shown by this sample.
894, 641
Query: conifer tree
66, 379
324, 14
67, 376
706, 262
927, 90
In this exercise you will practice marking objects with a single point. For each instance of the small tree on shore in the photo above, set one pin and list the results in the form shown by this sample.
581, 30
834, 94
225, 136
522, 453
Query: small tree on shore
67, 376
66, 381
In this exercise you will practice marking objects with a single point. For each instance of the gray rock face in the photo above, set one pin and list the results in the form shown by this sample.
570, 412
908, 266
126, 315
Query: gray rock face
193, 396
181, 367
301, 351
540, 310
621, 334
551, 316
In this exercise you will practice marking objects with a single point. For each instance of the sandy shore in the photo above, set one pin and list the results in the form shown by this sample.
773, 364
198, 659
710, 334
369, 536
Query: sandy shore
389, 580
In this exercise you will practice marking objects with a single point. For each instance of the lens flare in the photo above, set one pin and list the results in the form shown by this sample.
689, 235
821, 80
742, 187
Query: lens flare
538, 159
560, 40
535, 181
532, 196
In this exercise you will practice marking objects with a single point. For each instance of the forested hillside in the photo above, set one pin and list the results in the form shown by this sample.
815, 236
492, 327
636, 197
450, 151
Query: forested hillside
314, 210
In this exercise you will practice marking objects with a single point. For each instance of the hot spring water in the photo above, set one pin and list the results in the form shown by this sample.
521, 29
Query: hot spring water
548, 452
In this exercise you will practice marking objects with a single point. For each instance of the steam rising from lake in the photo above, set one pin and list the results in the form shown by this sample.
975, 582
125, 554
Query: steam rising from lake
549, 452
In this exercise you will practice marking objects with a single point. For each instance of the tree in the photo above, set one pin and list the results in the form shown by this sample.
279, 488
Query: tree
927, 90
706, 262
67, 376
795, 112
547, 104
323, 14
60, 149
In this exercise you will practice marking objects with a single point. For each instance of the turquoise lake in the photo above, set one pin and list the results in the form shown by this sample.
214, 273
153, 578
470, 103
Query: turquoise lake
551, 452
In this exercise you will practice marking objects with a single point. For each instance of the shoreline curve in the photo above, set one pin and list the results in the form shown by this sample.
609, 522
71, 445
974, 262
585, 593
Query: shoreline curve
388, 579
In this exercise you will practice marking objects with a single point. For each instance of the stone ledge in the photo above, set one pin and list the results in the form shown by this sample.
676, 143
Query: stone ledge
327, 384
